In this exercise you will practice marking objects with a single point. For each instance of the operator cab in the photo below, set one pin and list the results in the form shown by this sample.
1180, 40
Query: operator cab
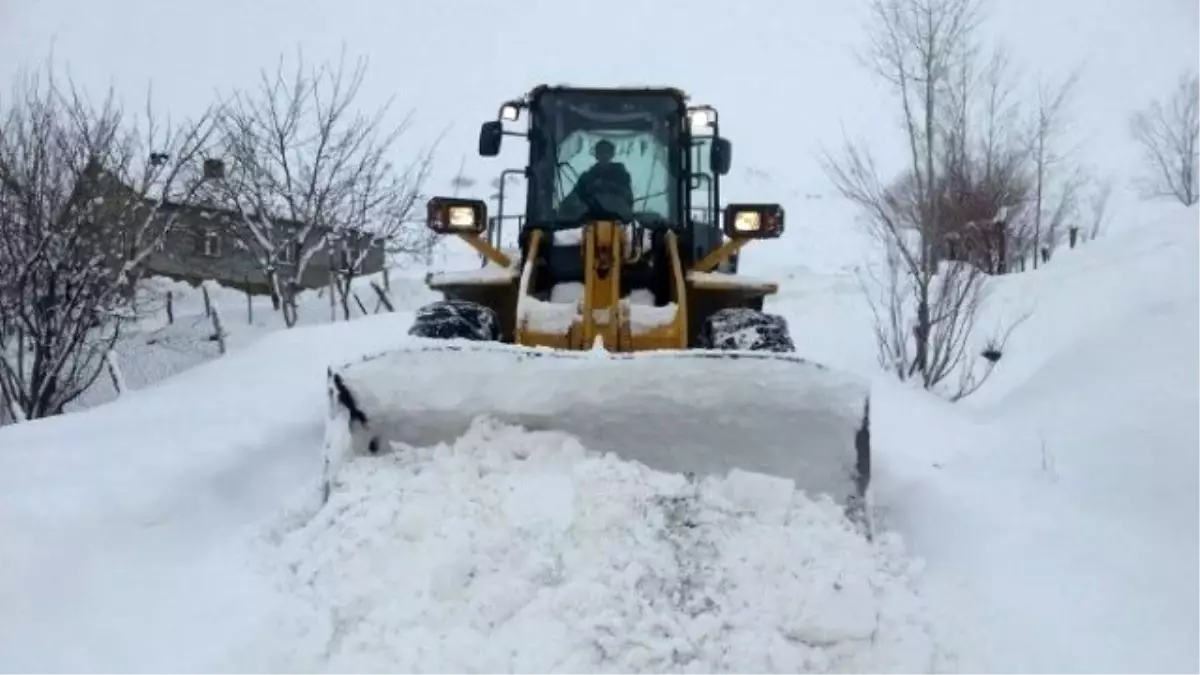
626, 155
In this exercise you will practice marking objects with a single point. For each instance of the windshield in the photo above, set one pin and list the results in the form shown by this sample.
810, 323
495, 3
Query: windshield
606, 155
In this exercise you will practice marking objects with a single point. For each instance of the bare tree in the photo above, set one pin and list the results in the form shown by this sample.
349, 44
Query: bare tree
1169, 133
1055, 186
1095, 208
379, 222
956, 182
309, 176
390, 232
986, 181
83, 188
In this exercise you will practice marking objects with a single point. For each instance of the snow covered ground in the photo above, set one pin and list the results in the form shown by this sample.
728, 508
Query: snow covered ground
146, 534
121, 522
157, 348
1049, 524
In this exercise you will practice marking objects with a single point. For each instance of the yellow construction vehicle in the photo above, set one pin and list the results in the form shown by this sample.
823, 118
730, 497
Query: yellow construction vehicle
621, 317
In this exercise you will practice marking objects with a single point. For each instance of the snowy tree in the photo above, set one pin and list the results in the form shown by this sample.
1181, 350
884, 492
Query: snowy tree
1057, 180
309, 175
82, 190
962, 180
1169, 134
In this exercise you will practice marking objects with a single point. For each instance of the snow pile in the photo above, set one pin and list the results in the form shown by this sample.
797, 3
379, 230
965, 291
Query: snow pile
520, 551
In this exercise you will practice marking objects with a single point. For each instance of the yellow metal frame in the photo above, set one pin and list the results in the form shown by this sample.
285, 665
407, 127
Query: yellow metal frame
601, 313
719, 255
485, 249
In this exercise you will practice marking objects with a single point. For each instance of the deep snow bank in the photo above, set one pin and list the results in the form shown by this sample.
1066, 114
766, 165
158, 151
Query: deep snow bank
1102, 291
1058, 517
515, 550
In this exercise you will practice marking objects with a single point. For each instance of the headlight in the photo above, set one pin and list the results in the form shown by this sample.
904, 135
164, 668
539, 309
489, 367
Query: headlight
753, 221
747, 221
451, 215
461, 218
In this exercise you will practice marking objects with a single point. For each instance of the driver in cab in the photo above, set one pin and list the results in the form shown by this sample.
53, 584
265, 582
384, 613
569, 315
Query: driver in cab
605, 177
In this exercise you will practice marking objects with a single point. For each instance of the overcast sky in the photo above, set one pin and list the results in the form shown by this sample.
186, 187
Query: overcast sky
783, 72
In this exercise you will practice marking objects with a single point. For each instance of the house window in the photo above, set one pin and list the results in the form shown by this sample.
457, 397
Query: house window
353, 253
210, 243
344, 257
289, 253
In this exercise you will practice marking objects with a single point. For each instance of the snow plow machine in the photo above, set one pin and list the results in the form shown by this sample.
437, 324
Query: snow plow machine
618, 316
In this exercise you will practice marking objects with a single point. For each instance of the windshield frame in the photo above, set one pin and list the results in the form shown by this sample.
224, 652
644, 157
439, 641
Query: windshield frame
555, 114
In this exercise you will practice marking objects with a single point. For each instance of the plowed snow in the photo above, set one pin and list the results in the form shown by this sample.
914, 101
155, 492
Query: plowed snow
520, 551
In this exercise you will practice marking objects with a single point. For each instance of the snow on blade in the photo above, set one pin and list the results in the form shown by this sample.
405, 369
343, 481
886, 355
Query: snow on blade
700, 412
521, 551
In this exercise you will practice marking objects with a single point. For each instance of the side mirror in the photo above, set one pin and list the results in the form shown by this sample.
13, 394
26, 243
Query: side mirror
720, 156
490, 136
454, 215
753, 221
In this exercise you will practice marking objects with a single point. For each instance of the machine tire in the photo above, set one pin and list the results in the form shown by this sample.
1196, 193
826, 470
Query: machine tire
744, 329
456, 319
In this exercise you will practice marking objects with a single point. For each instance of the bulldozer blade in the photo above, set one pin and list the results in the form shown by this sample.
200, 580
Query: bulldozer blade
697, 412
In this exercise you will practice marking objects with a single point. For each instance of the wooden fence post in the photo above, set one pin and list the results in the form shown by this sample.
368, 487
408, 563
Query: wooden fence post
249, 302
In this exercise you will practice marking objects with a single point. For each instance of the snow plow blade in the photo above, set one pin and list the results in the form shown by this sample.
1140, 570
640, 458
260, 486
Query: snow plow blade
699, 412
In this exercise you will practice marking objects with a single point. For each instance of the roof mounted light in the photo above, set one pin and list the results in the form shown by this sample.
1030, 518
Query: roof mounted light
701, 118
510, 111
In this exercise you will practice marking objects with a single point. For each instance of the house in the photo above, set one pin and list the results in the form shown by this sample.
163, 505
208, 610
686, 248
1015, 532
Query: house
210, 243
